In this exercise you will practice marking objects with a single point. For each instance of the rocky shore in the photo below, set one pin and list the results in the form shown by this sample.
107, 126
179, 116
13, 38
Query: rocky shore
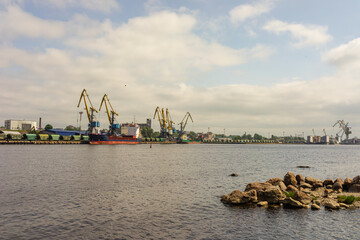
299, 192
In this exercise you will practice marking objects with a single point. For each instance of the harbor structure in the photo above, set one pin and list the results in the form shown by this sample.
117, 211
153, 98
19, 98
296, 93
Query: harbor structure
20, 124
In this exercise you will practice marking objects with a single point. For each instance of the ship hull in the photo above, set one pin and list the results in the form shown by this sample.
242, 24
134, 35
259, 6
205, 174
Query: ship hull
112, 139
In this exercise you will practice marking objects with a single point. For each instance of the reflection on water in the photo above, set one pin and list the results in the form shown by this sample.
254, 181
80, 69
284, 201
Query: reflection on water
167, 191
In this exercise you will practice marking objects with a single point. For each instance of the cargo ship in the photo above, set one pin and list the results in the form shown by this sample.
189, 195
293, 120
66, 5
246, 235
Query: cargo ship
130, 135
98, 139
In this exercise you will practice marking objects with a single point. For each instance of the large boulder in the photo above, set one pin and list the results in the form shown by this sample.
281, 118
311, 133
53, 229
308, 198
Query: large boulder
356, 180
355, 188
257, 186
311, 180
305, 185
328, 182
337, 185
291, 188
299, 178
290, 179
292, 203
339, 180
302, 197
347, 184
331, 204
274, 181
272, 195
238, 197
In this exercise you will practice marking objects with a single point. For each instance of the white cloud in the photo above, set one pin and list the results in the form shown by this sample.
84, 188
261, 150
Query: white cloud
14, 22
311, 35
345, 56
241, 13
94, 5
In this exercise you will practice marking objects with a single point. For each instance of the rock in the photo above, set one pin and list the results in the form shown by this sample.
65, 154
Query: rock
257, 186
356, 180
347, 184
343, 205
239, 197
291, 188
282, 186
318, 192
328, 191
331, 204
299, 178
354, 188
306, 190
290, 179
317, 184
303, 166
234, 175
315, 207
311, 180
328, 182
305, 185
302, 197
329, 186
292, 203
272, 195
317, 202
339, 180
274, 181
263, 204
337, 185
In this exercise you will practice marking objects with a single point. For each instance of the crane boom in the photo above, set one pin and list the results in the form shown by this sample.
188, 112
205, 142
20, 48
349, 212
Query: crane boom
111, 114
85, 95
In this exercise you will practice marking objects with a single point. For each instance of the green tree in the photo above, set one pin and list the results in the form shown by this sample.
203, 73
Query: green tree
48, 126
258, 136
147, 132
155, 135
70, 127
192, 135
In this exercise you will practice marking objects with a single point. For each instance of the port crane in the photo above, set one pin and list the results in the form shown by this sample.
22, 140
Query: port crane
344, 128
90, 112
110, 113
162, 120
183, 124
170, 122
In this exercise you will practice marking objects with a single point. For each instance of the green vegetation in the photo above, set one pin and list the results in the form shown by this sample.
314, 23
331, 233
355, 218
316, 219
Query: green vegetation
48, 126
314, 198
347, 199
289, 194
147, 132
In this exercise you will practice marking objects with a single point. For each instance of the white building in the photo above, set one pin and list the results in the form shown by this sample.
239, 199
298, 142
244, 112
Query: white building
130, 130
20, 125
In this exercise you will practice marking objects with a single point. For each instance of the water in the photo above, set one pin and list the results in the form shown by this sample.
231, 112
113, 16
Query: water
163, 192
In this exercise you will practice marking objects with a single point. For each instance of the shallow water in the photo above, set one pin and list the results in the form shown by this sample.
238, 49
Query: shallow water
163, 192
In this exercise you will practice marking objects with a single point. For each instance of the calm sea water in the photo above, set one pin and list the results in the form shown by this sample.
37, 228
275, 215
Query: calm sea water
163, 192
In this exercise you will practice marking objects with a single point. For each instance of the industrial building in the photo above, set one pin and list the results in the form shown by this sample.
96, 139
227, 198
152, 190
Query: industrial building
20, 125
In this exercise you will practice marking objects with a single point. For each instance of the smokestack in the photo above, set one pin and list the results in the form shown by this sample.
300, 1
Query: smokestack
39, 123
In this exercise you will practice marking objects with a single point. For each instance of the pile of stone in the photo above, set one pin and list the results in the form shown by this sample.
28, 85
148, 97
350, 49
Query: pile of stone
297, 192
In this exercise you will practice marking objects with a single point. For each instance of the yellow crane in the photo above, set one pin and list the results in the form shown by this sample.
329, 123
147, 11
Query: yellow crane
110, 113
169, 121
183, 124
161, 117
89, 110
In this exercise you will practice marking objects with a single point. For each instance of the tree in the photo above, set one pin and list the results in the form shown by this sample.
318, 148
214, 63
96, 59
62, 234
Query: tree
192, 135
155, 135
48, 127
257, 136
147, 132
70, 127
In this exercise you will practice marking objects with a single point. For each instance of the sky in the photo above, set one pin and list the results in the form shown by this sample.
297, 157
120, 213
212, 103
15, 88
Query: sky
281, 67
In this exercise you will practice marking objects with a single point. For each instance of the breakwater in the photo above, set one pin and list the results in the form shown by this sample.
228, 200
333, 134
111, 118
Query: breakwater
299, 192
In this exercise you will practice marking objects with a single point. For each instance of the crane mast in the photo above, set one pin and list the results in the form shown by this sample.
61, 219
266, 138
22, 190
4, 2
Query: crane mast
183, 124
90, 112
344, 128
110, 113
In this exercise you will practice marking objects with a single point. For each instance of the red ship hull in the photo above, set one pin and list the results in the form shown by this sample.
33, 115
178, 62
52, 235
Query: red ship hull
112, 139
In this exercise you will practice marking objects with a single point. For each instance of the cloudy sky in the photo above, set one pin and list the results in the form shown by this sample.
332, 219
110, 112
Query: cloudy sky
266, 66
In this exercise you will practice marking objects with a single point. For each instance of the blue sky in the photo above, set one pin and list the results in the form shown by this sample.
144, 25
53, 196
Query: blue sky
267, 66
